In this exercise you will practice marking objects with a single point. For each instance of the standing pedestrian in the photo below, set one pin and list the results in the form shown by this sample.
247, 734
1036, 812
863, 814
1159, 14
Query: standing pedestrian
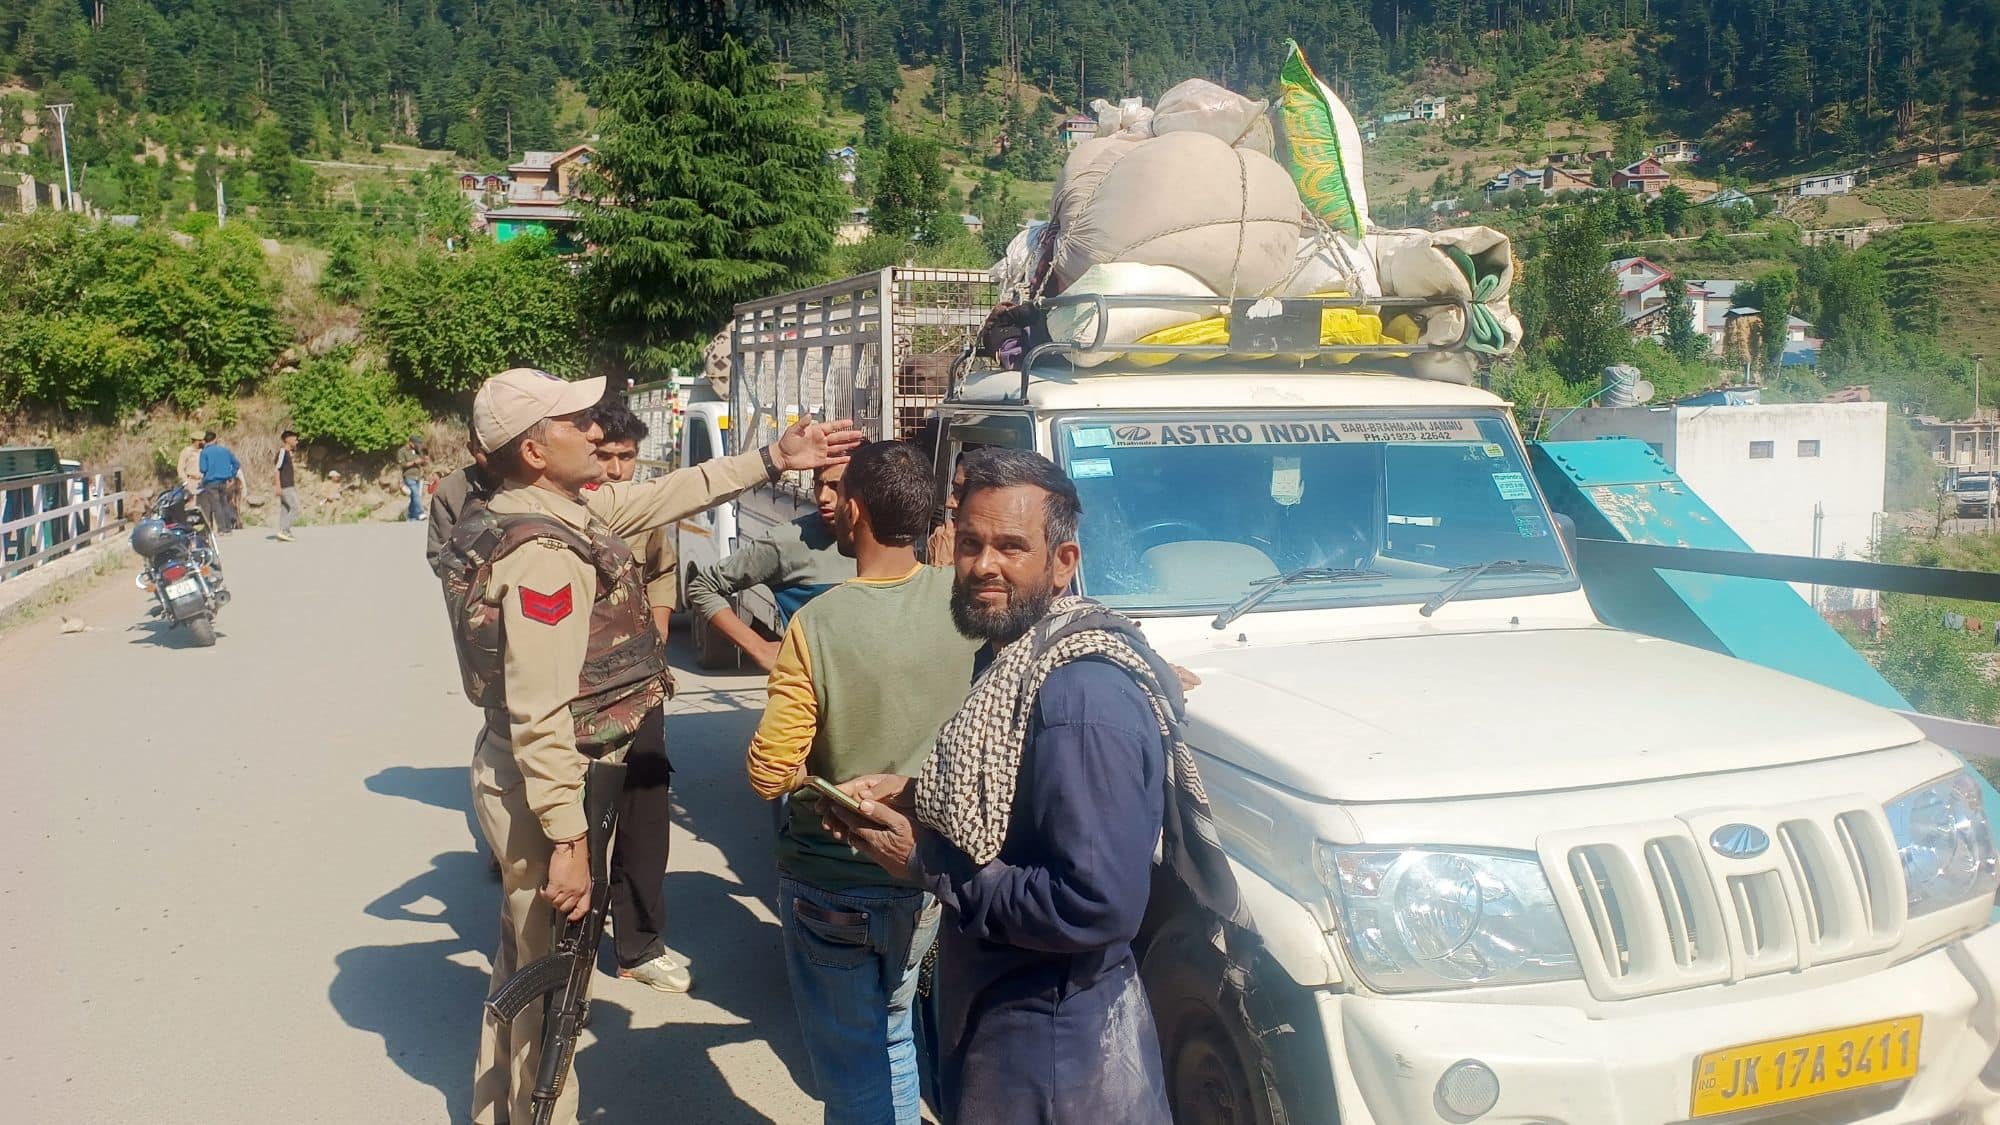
560, 650
219, 470
411, 458
798, 561
188, 469
645, 810
1035, 822
287, 481
469, 487
866, 673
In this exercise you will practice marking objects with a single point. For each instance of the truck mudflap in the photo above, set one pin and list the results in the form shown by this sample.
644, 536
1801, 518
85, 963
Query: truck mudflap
1557, 1065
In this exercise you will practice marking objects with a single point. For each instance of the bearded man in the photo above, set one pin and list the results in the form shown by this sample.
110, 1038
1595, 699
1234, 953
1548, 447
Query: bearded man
1036, 819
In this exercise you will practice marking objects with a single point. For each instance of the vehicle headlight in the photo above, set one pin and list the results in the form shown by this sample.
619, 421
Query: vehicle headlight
1423, 918
1945, 843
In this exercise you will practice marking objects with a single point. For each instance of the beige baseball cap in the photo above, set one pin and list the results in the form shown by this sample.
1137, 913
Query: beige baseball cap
510, 402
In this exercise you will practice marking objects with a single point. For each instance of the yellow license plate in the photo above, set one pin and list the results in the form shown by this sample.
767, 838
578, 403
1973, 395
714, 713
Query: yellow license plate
1805, 1066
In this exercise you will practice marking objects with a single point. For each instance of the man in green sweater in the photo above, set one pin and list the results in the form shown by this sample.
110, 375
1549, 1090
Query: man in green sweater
866, 674
798, 560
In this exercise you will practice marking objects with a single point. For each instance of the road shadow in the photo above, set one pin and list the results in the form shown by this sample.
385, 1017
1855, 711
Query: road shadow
163, 634
419, 997
441, 787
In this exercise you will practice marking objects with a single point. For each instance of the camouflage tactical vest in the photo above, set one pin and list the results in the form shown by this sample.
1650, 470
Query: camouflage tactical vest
625, 666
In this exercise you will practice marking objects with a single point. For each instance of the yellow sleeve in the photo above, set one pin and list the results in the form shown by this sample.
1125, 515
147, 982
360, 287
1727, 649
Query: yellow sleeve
791, 718
628, 508
545, 593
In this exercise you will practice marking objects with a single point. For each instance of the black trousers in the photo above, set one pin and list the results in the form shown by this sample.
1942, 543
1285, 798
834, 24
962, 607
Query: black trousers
639, 858
216, 508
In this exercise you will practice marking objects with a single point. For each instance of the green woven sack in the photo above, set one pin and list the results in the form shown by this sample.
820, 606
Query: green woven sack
1325, 146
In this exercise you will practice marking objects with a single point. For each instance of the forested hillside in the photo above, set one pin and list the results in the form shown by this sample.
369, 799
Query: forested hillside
477, 76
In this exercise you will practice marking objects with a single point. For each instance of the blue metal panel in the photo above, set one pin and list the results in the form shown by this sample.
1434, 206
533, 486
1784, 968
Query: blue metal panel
1618, 488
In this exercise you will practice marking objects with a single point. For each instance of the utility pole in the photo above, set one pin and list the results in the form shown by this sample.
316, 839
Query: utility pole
221, 207
61, 110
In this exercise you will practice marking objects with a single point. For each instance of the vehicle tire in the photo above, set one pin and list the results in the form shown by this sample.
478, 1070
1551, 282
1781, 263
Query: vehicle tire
202, 629
1216, 1072
713, 651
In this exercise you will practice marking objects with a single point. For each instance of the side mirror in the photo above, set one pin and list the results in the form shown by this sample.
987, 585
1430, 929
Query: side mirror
1566, 527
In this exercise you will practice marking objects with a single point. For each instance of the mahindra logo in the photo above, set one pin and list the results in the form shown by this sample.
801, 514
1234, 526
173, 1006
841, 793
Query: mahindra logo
1739, 841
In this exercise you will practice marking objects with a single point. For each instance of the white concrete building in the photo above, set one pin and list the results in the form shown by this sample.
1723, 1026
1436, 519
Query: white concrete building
1791, 479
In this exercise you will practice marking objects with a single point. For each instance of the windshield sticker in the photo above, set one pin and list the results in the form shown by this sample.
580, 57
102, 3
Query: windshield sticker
1512, 486
1090, 437
1288, 485
1531, 527
1311, 432
1090, 467
1493, 450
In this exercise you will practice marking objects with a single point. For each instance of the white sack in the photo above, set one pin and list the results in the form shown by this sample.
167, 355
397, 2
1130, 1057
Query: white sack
1333, 262
1078, 323
1012, 271
1229, 216
1130, 116
1201, 106
1077, 183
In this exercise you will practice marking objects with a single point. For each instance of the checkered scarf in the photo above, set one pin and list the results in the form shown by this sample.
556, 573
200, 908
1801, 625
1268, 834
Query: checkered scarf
967, 789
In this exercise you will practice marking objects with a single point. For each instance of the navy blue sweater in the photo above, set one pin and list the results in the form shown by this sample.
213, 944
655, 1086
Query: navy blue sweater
1043, 1019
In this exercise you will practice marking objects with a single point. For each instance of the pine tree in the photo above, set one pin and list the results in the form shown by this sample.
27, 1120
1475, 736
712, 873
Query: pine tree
1684, 341
714, 190
1577, 295
909, 190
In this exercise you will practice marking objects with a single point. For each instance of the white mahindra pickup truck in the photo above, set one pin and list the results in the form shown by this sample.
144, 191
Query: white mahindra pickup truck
1505, 863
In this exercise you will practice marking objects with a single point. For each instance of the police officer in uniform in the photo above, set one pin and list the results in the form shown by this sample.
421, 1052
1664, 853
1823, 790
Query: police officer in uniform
581, 669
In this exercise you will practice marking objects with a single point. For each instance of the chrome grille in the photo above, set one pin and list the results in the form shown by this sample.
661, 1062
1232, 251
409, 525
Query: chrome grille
1652, 907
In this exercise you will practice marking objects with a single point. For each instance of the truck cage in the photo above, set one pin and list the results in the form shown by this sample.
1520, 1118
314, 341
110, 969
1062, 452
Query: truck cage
1258, 328
878, 348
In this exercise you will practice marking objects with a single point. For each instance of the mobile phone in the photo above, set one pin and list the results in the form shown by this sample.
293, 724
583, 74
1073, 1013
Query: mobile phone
832, 792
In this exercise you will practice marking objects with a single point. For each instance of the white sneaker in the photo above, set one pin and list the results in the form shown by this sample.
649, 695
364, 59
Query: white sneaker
664, 973
284, 537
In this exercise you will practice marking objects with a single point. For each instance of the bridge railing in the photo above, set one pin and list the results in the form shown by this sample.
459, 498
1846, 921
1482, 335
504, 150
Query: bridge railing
45, 517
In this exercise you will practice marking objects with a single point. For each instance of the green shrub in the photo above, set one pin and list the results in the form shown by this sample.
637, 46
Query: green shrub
353, 405
449, 320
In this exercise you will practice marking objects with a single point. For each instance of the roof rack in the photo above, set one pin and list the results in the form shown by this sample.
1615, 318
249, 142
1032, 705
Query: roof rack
1266, 326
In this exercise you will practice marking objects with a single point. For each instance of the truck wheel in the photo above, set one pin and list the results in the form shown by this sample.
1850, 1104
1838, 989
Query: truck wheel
1216, 1072
712, 650
202, 629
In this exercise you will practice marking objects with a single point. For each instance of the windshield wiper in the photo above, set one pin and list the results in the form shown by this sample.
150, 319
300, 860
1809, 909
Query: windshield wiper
1472, 572
1265, 587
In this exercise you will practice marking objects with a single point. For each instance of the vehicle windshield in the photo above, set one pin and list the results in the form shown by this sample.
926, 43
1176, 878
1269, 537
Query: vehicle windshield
1190, 512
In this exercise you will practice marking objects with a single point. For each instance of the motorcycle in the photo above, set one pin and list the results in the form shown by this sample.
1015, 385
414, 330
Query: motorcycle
183, 565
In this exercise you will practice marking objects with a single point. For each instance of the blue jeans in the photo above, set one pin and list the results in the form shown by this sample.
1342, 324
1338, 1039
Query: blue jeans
852, 957
416, 489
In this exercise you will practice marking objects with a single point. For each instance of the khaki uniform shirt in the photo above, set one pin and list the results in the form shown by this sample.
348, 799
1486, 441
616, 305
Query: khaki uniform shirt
189, 468
658, 562
546, 592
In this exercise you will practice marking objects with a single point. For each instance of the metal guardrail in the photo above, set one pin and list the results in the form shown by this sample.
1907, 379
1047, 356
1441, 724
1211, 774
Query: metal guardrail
46, 517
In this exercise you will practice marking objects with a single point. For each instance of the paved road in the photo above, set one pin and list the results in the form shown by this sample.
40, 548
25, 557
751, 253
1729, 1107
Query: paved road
239, 887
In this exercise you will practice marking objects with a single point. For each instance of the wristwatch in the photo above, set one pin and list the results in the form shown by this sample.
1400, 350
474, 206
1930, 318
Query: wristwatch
770, 463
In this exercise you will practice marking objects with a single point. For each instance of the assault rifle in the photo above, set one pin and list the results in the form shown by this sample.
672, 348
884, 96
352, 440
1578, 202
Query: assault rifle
561, 980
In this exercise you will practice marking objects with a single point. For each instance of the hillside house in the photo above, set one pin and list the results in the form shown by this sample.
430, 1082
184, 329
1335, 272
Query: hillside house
1429, 109
1640, 289
847, 160
1718, 302
1397, 117
1076, 129
1728, 197
1647, 177
1831, 183
547, 177
1548, 180
1677, 152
